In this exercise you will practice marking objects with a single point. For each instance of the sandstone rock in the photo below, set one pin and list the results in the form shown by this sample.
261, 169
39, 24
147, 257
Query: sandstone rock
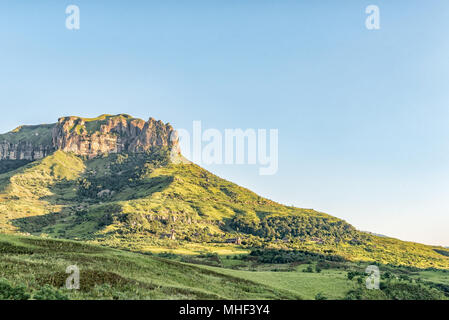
87, 137
23, 151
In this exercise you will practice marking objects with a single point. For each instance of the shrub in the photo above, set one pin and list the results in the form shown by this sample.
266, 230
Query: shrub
320, 296
8, 292
49, 293
309, 269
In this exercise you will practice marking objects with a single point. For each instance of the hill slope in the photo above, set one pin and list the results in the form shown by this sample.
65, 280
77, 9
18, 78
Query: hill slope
35, 268
145, 192
38, 266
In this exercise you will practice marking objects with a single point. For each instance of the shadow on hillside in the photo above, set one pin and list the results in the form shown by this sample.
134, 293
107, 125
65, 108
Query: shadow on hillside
63, 197
78, 207
11, 165
8, 166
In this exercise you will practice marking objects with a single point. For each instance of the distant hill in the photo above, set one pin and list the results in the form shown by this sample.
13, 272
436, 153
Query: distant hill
122, 182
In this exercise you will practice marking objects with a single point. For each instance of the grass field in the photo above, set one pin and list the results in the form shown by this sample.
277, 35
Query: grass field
32, 267
35, 263
437, 276
332, 284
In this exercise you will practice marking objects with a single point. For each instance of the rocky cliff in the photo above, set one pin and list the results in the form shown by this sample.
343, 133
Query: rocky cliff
23, 151
87, 137
26, 143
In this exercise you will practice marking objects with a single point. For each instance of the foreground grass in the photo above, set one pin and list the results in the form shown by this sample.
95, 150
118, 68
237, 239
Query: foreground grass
113, 274
32, 267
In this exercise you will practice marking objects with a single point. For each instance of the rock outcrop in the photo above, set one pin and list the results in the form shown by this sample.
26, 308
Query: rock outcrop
27, 143
88, 137
24, 150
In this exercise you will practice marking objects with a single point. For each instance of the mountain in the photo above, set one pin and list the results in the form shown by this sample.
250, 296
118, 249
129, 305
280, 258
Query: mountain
122, 182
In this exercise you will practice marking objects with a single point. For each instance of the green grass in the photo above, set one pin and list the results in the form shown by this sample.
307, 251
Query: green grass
37, 135
113, 274
331, 283
33, 267
37, 267
437, 276
39, 188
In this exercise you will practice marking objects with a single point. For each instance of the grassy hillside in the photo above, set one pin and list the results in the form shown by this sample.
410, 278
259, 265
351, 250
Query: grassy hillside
38, 188
39, 134
35, 268
144, 202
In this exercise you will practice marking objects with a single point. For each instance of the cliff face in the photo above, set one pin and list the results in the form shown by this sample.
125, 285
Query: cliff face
87, 137
110, 135
24, 151
26, 143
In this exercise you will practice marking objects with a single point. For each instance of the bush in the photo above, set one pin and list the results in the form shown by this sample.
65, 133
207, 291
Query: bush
396, 291
320, 296
167, 255
8, 292
309, 269
49, 293
353, 274
307, 227
280, 256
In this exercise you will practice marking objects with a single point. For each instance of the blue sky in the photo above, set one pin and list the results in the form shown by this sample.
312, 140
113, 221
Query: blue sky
362, 115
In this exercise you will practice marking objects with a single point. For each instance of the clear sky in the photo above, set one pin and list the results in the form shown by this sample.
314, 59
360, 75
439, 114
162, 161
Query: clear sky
362, 115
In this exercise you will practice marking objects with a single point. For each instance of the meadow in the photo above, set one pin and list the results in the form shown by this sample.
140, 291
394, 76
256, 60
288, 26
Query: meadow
34, 268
